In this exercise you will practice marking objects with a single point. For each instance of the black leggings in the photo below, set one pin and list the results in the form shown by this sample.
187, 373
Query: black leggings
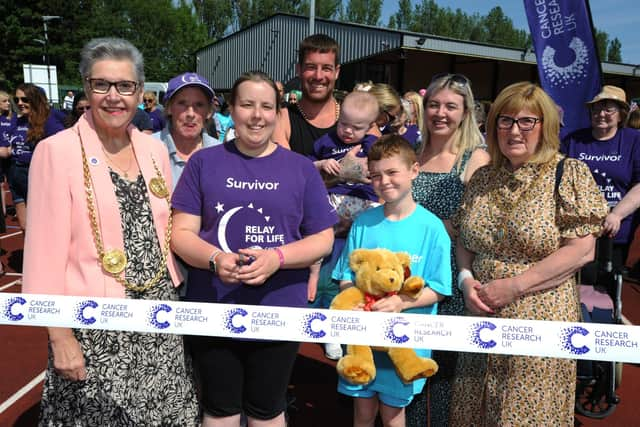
236, 375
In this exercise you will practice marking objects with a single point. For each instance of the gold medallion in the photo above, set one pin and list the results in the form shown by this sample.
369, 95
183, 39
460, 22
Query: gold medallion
114, 261
158, 187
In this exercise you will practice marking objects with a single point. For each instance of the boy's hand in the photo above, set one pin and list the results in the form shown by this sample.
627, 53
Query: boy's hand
330, 166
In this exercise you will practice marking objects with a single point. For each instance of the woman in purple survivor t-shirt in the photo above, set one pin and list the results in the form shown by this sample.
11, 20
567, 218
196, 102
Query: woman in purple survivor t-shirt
250, 217
613, 155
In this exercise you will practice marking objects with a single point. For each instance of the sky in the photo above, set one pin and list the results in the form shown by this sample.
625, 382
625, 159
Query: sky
619, 18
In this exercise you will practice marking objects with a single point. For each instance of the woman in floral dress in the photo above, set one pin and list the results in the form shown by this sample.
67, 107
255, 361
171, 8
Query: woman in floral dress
448, 157
520, 242
99, 225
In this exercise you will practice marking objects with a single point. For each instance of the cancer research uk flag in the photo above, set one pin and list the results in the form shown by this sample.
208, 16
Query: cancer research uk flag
567, 56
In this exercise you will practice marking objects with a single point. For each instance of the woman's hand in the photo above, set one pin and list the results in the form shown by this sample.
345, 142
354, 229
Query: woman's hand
68, 360
611, 224
389, 304
471, 299
257, 266
499, 293
227, 267
330, 166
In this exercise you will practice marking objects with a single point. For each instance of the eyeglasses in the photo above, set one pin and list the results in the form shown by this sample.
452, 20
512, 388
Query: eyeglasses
83, 108
458, 79
22, 99
147, 100
524, 123
608, 111
123, 87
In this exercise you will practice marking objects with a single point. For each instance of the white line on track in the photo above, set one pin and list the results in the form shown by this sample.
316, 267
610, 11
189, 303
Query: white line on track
8, 285
24, 390
11, 235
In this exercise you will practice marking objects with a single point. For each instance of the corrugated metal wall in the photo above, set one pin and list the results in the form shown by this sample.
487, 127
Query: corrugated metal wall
272, 46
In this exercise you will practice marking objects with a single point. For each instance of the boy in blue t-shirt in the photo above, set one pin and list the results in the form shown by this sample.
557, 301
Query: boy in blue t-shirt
400, 225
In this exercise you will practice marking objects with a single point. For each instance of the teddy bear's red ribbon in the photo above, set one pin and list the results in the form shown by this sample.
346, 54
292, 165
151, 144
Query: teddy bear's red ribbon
369, 299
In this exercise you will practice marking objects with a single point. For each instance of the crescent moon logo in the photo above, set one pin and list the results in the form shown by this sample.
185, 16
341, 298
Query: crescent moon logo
563, 76
222, 229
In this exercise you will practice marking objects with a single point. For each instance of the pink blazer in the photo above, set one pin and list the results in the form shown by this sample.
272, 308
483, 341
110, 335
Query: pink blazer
59, 252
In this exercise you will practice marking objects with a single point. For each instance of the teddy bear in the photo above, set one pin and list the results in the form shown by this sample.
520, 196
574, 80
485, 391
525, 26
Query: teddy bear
378, 273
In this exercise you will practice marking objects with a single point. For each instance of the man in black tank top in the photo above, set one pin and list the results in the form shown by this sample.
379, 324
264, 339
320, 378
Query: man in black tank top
317, 112
303, 134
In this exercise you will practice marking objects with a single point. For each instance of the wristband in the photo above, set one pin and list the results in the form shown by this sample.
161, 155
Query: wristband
212, 261
462, 276
280, 256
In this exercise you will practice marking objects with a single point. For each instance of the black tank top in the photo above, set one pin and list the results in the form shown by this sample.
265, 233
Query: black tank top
303, 133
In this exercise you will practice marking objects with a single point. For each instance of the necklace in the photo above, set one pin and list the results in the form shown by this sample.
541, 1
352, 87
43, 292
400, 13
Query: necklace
114, 261
304, 115
125, 172
499, 204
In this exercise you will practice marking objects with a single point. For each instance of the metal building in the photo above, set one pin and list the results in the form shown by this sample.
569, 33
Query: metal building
403, 59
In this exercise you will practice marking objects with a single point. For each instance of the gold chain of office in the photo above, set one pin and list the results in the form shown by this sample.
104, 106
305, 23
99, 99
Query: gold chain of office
114, 261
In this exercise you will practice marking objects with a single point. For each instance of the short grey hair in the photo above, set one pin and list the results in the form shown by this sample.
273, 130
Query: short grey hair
110, 48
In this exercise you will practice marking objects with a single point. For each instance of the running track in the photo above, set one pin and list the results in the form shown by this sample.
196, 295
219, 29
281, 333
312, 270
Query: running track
23, 356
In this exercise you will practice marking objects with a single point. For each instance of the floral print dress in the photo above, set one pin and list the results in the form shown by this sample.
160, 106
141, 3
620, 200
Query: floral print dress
510, 221
133, 379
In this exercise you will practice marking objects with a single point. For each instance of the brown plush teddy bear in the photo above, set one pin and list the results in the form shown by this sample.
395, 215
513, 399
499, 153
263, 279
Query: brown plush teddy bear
380, 272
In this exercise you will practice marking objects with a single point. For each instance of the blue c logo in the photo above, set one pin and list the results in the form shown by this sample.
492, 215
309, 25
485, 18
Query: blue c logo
307, 328
566, 340
79, 312
474, 335
389, 330
9, 305
228, 320
153, 316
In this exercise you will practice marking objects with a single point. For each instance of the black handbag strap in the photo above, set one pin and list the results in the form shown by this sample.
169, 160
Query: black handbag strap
559, 172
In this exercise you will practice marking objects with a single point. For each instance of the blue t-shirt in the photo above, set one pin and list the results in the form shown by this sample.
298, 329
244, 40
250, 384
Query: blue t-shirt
245, 202
424, 237
615, 166
157, 120
329, 146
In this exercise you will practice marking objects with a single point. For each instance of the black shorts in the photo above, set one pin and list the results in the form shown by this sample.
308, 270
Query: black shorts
235, 375
18, 177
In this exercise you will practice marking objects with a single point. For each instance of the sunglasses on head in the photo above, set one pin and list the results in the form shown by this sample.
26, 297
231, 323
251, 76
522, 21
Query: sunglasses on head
458, 79
22, 99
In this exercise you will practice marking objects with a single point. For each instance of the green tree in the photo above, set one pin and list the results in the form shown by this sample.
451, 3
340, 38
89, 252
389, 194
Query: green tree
327, 9
402, 17
216, 15
363, 12
602, 41
614, 53
500, 29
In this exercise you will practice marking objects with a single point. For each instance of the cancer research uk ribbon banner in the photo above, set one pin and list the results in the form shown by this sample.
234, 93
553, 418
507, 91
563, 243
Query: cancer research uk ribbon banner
455, 333
567, 56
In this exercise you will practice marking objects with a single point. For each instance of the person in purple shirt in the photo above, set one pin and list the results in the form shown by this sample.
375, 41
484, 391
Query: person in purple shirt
151, 108
36, 122
613, 155
249, 228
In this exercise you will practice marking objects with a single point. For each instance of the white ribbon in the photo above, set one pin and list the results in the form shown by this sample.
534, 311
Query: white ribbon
592, 341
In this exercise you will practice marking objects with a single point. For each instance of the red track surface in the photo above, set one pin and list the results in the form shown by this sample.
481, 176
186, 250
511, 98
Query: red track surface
23, 357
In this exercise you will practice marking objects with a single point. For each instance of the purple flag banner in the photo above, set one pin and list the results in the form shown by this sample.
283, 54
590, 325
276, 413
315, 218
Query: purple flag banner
567, 56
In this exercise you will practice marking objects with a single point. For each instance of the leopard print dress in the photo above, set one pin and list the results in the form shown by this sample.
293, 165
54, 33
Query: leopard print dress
500, 390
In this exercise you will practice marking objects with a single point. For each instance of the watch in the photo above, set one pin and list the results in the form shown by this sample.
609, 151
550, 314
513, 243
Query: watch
212, 262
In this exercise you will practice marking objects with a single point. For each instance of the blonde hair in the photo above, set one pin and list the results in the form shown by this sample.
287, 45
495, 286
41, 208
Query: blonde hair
388, 98
633, 119
467, 136
151, 94
6, 95
418, 109
364, 102
525, 96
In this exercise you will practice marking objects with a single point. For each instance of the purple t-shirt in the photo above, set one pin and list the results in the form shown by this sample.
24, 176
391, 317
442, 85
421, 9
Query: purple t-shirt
252, 201
329, 146
615, 165
412, 135
5, 128
21, 149
157, 120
